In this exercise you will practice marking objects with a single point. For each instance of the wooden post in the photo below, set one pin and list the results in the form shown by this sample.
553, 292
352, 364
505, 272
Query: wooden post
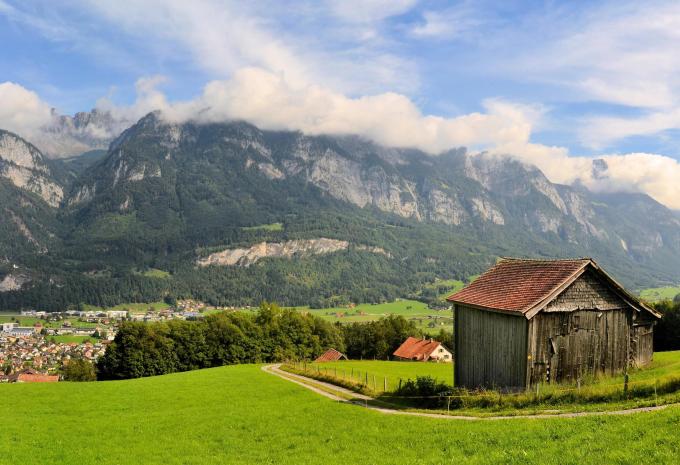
385, 384
374, 383
656, 400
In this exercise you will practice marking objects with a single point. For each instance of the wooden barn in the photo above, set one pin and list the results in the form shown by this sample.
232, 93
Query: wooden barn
535, 321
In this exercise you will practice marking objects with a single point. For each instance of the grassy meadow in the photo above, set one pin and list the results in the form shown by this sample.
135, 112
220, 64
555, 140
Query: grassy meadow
241, 415
131, 307
657, 294
414, 310
381, 370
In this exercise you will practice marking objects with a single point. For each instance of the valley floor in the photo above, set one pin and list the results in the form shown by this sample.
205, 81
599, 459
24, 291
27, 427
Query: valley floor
240, 414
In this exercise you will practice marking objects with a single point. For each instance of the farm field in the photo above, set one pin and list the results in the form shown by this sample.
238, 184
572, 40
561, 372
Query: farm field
392, 371
409, 309
66, 339
241, 415
30, 321
131, 307
660, 293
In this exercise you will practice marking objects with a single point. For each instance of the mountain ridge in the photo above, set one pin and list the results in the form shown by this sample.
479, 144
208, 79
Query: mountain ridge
169, 195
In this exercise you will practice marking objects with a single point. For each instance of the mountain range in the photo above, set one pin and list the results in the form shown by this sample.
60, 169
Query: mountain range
233, 214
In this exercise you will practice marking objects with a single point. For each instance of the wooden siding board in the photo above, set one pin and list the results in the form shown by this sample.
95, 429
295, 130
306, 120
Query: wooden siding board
490, 349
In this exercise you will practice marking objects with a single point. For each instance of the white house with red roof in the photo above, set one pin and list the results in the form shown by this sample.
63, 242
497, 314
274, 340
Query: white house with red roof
423, 350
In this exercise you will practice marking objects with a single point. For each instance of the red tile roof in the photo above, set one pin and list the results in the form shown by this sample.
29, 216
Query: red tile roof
524, 286
331, 355
517, 285
416, 349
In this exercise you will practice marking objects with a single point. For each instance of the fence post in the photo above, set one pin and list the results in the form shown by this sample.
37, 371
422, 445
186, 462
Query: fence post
656, 400
374, 388
385, 384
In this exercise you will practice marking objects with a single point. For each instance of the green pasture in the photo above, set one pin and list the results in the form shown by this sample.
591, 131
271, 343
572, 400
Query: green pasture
135, 307
66, 339
413, 310
657, 294
383, 370
241, 415
30, 321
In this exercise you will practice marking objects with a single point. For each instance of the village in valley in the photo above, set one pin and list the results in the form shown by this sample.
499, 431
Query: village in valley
37, 352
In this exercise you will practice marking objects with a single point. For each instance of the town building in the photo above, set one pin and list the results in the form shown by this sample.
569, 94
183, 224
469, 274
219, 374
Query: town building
545, 321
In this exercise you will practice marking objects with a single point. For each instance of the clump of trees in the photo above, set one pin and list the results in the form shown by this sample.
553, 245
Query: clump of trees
79, 369
273, 334
667, 330
379, 339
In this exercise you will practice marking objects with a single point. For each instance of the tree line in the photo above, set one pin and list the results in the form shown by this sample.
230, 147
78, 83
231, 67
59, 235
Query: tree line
667, 329
272, 334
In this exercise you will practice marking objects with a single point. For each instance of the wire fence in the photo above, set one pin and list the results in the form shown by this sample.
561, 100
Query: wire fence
384, 387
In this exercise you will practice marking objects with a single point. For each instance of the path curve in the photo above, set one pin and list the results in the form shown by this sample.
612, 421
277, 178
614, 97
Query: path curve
361, 400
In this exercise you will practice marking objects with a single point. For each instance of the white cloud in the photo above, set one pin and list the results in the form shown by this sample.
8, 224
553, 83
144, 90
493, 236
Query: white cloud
222, 36
22, 111
269, 101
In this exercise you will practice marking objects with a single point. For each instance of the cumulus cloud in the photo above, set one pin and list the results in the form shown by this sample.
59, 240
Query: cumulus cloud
22, 111
270, 101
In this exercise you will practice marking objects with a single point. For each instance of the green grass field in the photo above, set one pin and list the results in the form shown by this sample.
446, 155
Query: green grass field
68, 338
414, 310
660, 293
30, 321
131, 307
381, 370
241, 415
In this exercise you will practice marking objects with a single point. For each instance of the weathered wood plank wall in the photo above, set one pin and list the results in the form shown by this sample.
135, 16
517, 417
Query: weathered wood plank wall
490, 349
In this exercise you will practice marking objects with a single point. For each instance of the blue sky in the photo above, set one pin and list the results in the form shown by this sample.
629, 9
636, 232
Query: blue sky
547, 81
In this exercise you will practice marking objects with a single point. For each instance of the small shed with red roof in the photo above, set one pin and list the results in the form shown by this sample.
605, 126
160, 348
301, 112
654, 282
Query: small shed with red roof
423, 350
331, 355
530, 321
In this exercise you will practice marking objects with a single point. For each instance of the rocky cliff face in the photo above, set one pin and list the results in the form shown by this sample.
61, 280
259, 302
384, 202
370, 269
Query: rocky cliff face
288, 249
23, 165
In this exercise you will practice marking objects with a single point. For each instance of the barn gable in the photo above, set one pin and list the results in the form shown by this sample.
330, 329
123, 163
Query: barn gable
588, 291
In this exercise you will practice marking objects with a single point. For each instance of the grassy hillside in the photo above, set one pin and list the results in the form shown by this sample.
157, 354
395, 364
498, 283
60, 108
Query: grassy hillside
660, 293
241, 415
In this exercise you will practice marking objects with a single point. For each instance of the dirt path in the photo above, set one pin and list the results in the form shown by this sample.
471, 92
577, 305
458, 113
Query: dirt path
361, 400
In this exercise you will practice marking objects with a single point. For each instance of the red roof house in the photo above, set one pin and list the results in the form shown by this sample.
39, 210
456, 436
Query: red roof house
423, 350
331, 355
